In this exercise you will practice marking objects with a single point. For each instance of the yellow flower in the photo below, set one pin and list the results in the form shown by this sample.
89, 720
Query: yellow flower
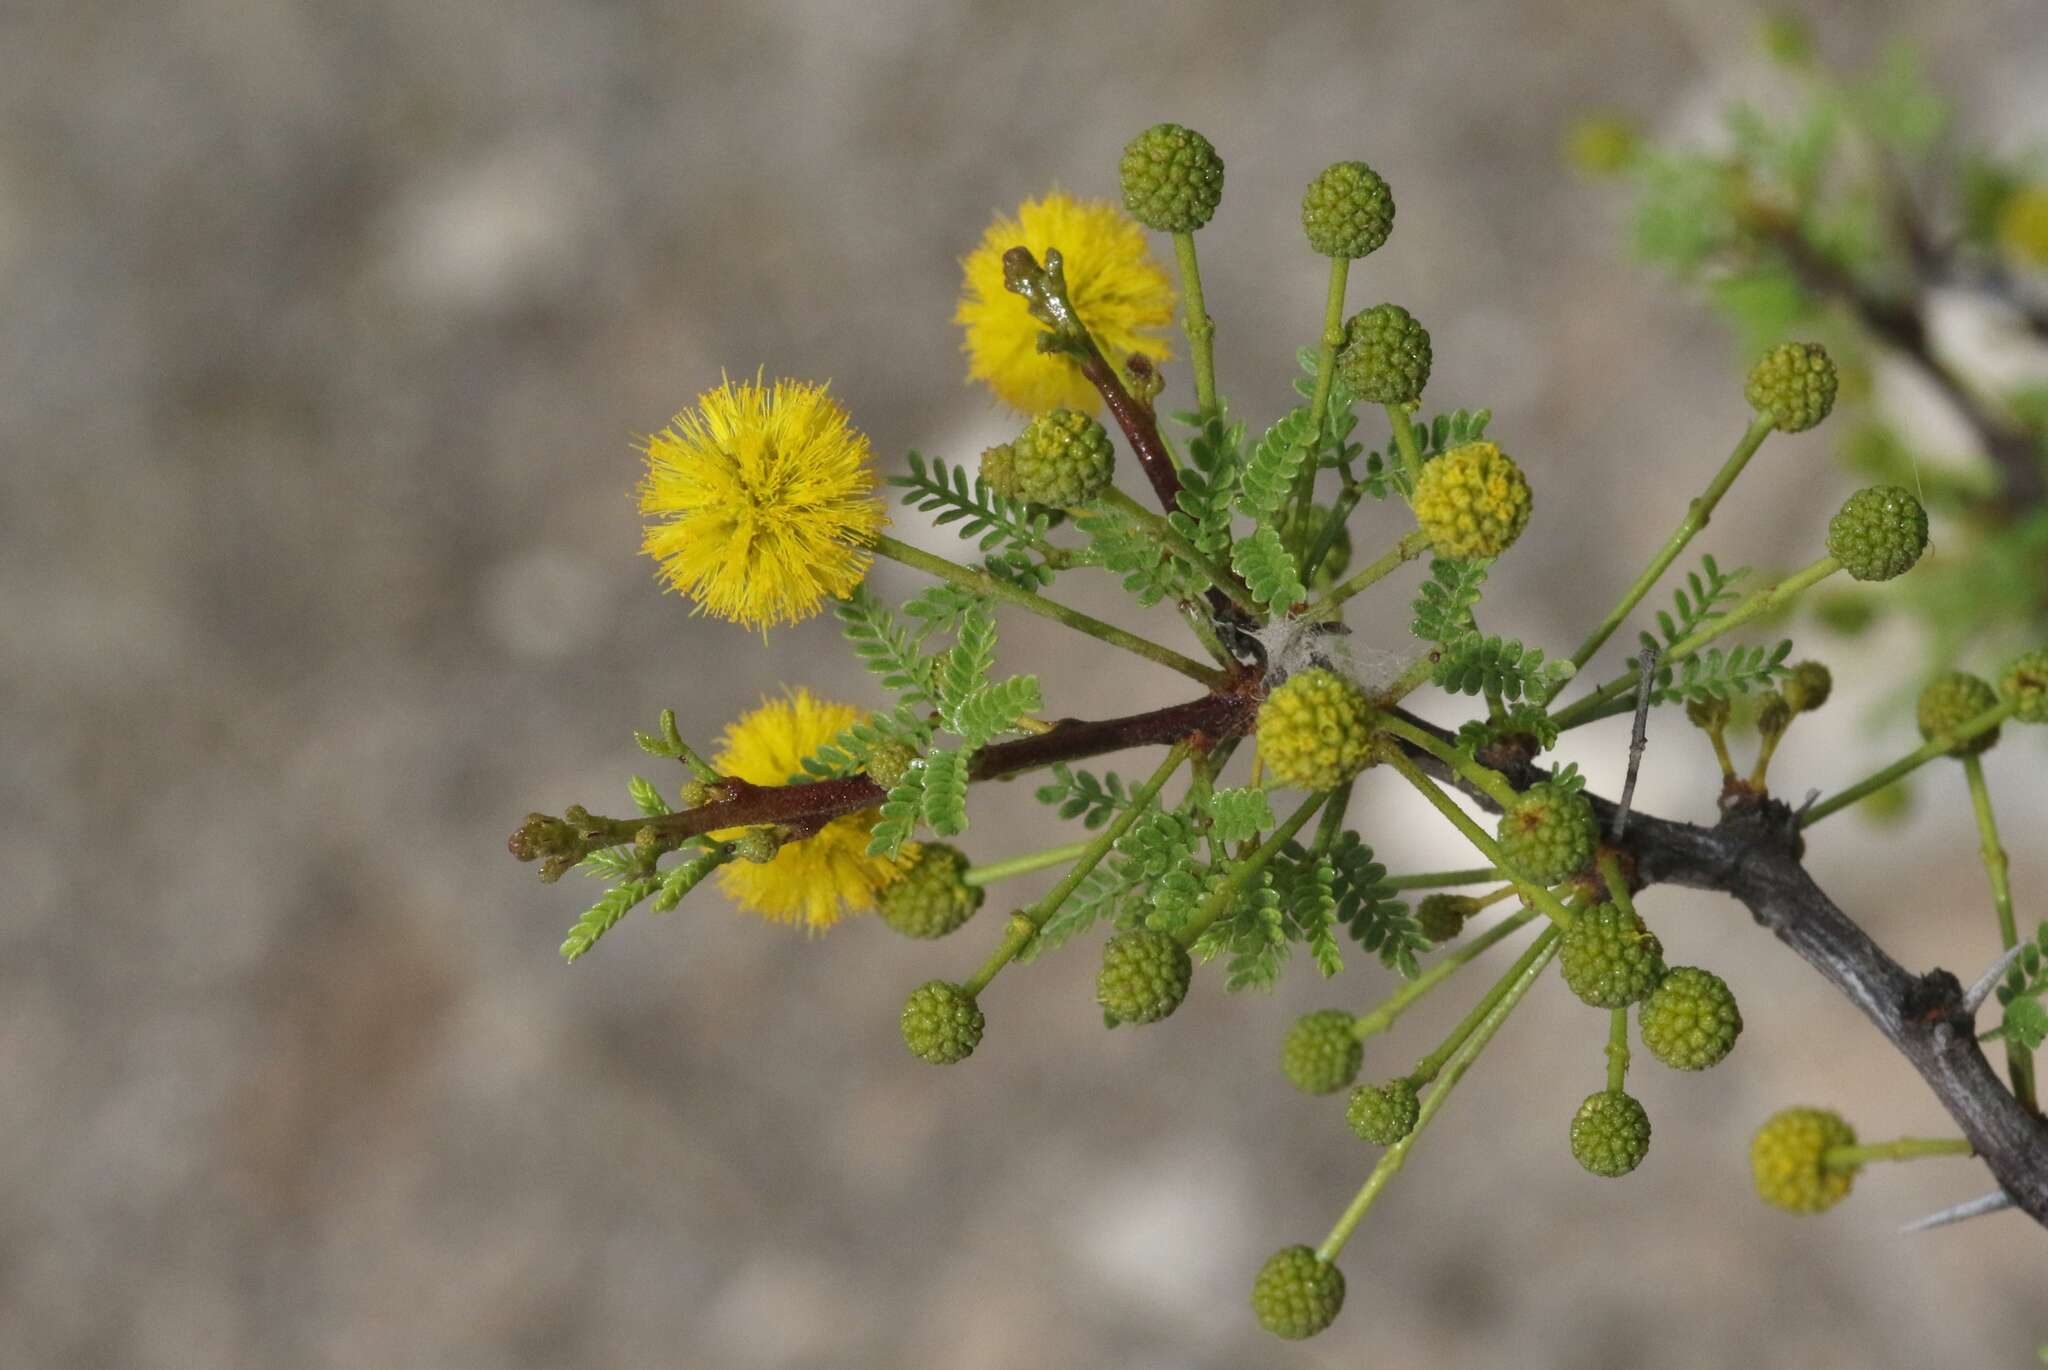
759, 501
1116, 287
817, 879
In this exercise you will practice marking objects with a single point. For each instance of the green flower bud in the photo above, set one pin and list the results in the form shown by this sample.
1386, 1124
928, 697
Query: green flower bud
1808, 687
1951, 700
1321, 1054
941, 1023
1347, 210
1384, 1114
1610, 1134
1062, 458
1316, 730
1793, 385
1172, 178
1786, 1160
1442, 916
1385, 356
1297, 1295
2025, 682
930, 899
1690, 1021
1550, 833
1144, 976
1472, 502
1879, 533
1610, 959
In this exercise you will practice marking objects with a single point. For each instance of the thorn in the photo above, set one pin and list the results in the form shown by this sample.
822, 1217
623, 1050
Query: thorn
1812, 798
1639, 738
1994, 1202
1988, 981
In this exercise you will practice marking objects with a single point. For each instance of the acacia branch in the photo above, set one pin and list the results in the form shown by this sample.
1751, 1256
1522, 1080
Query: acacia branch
1752, 854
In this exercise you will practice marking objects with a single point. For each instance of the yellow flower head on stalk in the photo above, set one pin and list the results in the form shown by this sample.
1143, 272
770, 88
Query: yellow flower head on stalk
816, 880
1120, 292
759, 502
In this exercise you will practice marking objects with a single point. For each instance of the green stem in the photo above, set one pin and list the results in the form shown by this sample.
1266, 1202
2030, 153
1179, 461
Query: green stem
1531, 892
1381, 1018
1201, 329
1427, 1069
1404, 439
989, 872
1032, 919
1617, 1050
1407, 549
1414, 678
1525, 975
983, 583
1904, 1149
1618, 695
1696, 516
1938, 745
1222, 577
1429, 880
1221, 899
1348, 496
2019, 1062
1485, 778
1617, 886
1333, 338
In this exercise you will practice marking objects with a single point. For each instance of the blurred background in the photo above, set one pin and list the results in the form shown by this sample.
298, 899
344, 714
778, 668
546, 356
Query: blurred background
327, 329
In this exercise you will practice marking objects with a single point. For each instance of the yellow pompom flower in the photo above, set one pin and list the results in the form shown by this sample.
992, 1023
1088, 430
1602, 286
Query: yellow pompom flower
759, 502
1121, 293
820, 878
1788, 1160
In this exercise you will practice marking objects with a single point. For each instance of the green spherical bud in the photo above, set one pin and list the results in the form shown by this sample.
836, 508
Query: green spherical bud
1316, 730
1690, 1021
1321, 1054
1442, 916
1610, 1134
697, 793
1061, 459
1773, 713
1296, 1295
1808, 687
1549, 834
1609, 958
999, 467
1472, 502
1347, 210
757, 845
1383, 1114
941, 1023
1787, 1160
1879, 533
1144, 976
1385, 357
930, 898
2025, 683
1793, 386
1951, 700
1172, 178
889, 762
1707, 712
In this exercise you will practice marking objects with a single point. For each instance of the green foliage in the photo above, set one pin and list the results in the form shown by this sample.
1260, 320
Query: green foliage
1715, 674
901, 807
1102, 895
1238, 815
1433, 439
1150, 571
1268, 569
1078, 794
984, 517
944, 803
1710, 591
1499, 666
646, 797
848, 752
1526, 719
1370, 909
2026, 980
1275, 463
1208, 486
1443, 606
883, 645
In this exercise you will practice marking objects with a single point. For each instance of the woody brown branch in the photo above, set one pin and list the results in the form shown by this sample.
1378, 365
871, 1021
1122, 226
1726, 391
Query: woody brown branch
1752, 854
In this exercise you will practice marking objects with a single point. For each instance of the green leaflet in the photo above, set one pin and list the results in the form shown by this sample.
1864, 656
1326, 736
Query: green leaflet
1268, 569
